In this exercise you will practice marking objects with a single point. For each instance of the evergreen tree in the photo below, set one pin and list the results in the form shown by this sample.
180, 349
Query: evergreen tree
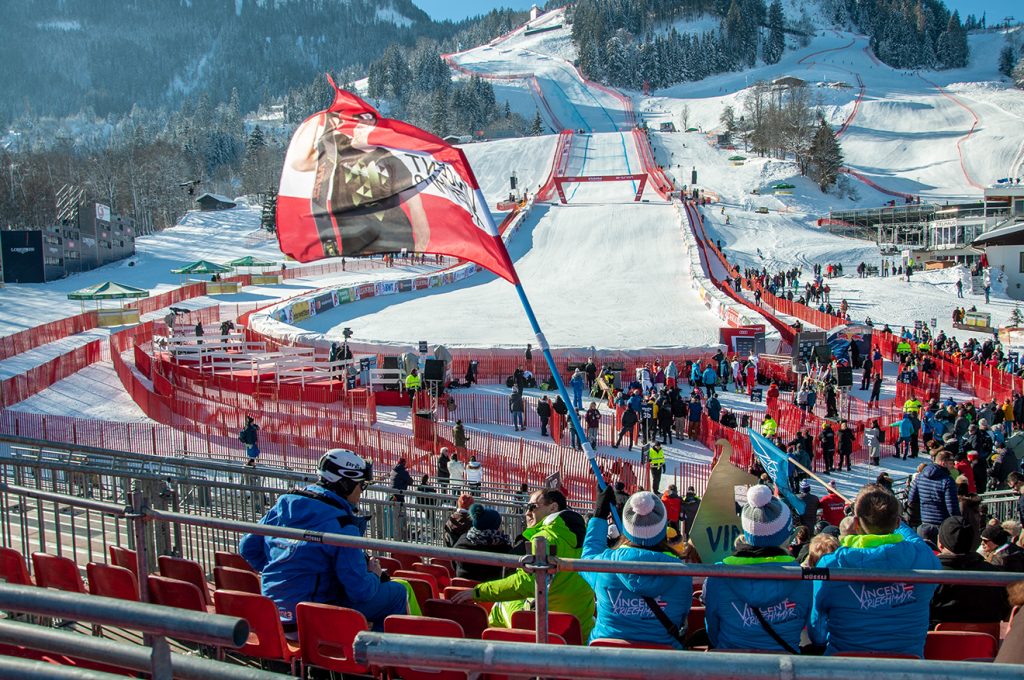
775, 45
537, 127
1018, 74
951, 47
826, 156
1006, 59
728, 119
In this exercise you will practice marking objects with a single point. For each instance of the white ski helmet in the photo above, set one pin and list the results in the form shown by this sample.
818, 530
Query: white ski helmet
341, 464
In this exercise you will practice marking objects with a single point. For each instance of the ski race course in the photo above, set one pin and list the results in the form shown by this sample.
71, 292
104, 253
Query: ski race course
604, 271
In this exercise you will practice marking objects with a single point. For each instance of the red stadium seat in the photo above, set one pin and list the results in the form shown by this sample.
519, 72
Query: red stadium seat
472, 617
447, 564
518, 635
110, 580
123, 557
440, 574
993, 628
390, 563
407, 561
170, 592
266, 636
407, 575
627, 644
463, 582
233, 560
423, 625
326, 634
185, 570
423, 590
13, 568
953, 645
242, 580
54, 571
564, 625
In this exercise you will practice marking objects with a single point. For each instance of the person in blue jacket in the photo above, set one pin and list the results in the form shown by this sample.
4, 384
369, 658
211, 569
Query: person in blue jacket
695, 373
934, 490
874, 617
577, 381
907, 434
732, 605
297, 571
710, 377
624, 601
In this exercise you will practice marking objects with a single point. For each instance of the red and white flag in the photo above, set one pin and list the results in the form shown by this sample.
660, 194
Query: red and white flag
355, 183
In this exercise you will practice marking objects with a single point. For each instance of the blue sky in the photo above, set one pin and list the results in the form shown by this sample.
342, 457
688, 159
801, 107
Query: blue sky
455, 10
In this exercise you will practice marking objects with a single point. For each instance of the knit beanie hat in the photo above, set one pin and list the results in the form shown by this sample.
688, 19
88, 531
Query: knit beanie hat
484, 519
766, 521
644, 519
465, 500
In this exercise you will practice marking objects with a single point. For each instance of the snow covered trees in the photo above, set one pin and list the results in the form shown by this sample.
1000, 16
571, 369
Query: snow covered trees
919, 34
825, 156
1007, 58
775, 44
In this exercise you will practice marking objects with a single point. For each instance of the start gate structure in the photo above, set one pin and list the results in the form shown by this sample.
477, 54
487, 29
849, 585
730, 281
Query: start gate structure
561, 180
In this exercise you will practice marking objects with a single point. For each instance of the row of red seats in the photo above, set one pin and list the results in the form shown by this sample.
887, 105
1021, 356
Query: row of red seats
182, 583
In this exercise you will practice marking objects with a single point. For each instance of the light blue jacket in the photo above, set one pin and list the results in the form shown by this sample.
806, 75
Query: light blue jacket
729, 617
880, 617
621, 610
710, 376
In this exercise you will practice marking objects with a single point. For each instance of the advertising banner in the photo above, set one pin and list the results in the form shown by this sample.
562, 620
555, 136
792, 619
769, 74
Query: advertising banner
718, 520
405, 285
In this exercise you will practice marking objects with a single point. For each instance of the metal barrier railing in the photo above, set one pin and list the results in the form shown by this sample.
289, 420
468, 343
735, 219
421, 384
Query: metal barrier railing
146, 521
381, 650
158, 623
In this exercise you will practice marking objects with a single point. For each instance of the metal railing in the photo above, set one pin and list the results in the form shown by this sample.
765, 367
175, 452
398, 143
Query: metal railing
157, 622
147, 521
531, 660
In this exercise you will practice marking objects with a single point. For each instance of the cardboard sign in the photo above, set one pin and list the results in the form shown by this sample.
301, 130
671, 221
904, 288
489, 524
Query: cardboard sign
717, 523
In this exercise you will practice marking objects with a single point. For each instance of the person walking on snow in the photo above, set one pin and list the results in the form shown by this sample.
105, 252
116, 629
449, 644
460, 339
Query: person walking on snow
515, 406
710, 378
249, 436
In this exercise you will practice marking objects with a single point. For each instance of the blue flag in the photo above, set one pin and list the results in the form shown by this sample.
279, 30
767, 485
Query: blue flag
776, 463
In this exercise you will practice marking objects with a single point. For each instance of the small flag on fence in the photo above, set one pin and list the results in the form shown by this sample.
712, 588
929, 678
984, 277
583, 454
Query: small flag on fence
776, 463
355, 183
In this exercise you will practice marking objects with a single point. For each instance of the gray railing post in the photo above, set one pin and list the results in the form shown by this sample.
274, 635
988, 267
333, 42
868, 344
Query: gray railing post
539, 565
160, 659
143, 550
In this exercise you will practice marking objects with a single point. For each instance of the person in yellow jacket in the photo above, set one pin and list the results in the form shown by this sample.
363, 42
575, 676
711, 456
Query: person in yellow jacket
656, 459
912, 406
547, 515
769, 427
903, 347
412, 385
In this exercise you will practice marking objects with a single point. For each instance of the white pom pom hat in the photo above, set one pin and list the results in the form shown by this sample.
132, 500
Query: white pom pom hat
644, 519
766, 521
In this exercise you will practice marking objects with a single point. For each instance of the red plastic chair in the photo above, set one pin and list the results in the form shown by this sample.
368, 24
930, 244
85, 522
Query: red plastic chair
123, 557
110, 580
54, 571
518, 635
440, 574
232, 560
428, 626
627, 644
993, 628
447, 564
185, 570
266, 636
463, 582
13, 568
170, 592
421, 589
408, 562
472, 617
406, 575
390, 563
451, 590
1013, 613
955, 645
694, 620
325, 637
876, 655
242, 580
564, 625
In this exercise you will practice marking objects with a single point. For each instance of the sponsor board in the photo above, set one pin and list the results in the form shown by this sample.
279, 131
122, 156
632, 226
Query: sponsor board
367, 290
323, 302
301, 310
435, 280
420, 283
344, 295
385, 288
405, 285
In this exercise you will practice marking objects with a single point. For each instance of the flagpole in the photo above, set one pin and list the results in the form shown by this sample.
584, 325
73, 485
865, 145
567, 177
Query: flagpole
542, 343
821, 481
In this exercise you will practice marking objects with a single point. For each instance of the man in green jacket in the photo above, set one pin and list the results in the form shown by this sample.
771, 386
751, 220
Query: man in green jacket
548, 515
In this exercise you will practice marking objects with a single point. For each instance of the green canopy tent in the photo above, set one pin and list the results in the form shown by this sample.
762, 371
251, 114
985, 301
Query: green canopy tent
784, 185
108, 290
250, 262
201, 267
737, 158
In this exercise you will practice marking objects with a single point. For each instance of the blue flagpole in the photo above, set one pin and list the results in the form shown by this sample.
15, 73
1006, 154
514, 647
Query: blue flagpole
542, 344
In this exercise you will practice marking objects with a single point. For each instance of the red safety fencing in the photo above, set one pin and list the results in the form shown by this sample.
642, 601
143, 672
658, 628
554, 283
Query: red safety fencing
559, 163
662, 184
22, 341
38, 378
155, 302
337, 265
